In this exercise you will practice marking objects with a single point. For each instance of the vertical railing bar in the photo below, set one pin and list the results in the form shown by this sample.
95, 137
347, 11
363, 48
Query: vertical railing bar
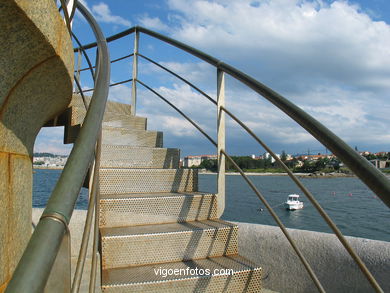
221, 183
279, 222
87, 230
135, 74
90, 67
312, 199
79, 59
92, 279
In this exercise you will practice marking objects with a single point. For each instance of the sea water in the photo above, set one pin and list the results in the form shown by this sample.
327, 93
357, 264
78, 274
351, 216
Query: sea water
351, 205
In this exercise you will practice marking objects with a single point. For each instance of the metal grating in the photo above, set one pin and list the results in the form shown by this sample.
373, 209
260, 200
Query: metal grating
246, 277
124, 136
77, 115
124, 121
142, 209
117, 156
111, 106
176, 242
121, 181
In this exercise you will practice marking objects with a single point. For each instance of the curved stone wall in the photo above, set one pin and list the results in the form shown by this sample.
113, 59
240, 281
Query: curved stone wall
283, 271
36, 71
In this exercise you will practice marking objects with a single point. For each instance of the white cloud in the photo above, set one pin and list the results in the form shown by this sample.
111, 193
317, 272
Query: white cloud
285, 39
153, 23
331, 59
120, 93
103, 14
51, 139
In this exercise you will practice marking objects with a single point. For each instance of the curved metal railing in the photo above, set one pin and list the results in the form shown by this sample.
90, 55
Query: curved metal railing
34, 267
373, 178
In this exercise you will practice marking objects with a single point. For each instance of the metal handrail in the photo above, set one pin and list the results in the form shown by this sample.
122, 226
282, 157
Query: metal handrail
179, 77
112, 61
112, 84
178, 110
372, 177
308, 194
312, 199
293, 111
90, 67
257, 192
34, 267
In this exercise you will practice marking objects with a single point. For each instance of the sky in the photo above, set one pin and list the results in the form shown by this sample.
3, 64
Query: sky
331, 58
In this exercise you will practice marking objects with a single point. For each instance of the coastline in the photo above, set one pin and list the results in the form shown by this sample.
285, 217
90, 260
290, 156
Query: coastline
305, 175
308, 175
48, 168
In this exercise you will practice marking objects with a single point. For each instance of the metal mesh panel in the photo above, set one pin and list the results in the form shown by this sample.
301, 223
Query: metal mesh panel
111, 106
117, 156
77, 115
130, 122
156, 209
138, 245
121, 181
124, 136
246, 277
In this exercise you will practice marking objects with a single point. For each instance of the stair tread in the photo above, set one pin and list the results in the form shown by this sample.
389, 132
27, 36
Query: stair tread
125, 129
153, 194
166, 228
122, 156
107, 145
150, 273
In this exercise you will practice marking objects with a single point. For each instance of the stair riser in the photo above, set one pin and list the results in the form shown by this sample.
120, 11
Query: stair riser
111, 106
176, 246
122, 136
122, 181
241, 282
127, 157
77, 115
130, 122
156, 210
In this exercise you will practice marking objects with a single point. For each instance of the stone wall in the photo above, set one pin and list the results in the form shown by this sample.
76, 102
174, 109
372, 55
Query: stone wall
283, 271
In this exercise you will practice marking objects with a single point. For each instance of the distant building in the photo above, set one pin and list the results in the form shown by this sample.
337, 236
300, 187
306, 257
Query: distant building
190, 161
266, 156
380, 164
314, 157
56, 161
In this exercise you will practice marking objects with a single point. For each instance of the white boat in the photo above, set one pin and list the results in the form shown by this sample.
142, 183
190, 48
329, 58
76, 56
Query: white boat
293, 202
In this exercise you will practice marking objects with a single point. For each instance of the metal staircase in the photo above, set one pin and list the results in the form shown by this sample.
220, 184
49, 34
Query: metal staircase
157, 232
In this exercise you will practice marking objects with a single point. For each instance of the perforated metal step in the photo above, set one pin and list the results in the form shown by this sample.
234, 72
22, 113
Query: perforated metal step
233, 274
174, 242
76, 116
130, 137
138, 157
155, 208
111, 106
121, 181
124, 121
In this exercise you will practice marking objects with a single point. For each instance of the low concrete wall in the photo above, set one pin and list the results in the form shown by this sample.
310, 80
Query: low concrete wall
76, 228
283, 271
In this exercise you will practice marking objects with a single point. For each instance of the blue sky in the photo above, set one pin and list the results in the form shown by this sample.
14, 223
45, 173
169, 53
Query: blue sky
332, 58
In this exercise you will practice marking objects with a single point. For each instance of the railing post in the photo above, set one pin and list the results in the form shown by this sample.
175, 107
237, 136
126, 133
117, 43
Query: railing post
79, 59
221, 141
135, 73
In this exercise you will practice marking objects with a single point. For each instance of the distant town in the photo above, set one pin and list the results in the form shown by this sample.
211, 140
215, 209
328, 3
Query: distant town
301, 163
